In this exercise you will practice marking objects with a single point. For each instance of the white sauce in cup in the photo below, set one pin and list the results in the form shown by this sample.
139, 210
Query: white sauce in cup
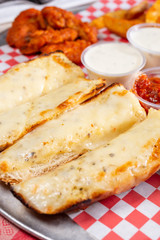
113, 61
113, 58
146, 38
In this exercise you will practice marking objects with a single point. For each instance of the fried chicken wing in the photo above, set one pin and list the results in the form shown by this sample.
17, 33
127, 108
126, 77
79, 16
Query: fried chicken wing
49, 30
87, 32
26, 23
40, 38
72, 49
59, 18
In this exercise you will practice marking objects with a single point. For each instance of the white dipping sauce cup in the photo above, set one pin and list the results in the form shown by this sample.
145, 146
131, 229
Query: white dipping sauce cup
114, 61
148, 42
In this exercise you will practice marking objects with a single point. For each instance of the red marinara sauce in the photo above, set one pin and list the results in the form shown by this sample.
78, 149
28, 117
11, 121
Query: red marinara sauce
148, 88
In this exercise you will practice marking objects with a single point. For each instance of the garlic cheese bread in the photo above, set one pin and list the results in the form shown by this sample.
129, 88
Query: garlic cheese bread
23, 118
65, 138
28, 80
115, 167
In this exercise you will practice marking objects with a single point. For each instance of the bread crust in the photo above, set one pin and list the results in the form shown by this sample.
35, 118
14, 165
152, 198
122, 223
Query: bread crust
73, 133
34, 78
113, 171
42, 109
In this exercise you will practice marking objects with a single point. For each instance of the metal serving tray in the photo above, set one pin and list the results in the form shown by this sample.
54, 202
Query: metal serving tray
48, 227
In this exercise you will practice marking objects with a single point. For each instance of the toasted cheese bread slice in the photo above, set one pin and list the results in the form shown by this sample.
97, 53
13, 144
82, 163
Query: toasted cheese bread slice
21, 119
63, 139
115, 167
28, 80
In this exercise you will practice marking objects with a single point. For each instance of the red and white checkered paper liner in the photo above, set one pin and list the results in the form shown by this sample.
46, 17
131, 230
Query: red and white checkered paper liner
134, 214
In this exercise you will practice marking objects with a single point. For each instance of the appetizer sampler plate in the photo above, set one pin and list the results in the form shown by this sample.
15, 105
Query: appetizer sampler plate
113, 218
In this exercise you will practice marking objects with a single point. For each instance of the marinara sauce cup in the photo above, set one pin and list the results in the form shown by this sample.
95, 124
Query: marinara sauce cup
146, 37
153, 75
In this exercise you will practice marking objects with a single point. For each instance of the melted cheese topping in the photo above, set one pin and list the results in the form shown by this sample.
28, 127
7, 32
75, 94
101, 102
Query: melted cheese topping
28, 80
73, 133
28, 115
112, 168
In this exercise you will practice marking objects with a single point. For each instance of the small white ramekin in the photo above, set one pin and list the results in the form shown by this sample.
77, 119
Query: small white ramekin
123, 78
152, 57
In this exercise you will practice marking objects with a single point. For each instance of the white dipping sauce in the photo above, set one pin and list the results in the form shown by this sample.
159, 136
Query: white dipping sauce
148, 37
113, 58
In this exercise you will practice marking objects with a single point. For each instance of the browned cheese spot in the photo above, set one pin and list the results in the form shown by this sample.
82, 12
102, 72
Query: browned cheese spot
98, 194
49, 210
16, 69
122, 93
78, 93
100, 176
149, 143
31, 128
43, 113
34, 190
124, 167
4, 167
60, 61
63, 105
156, 152
100, 88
